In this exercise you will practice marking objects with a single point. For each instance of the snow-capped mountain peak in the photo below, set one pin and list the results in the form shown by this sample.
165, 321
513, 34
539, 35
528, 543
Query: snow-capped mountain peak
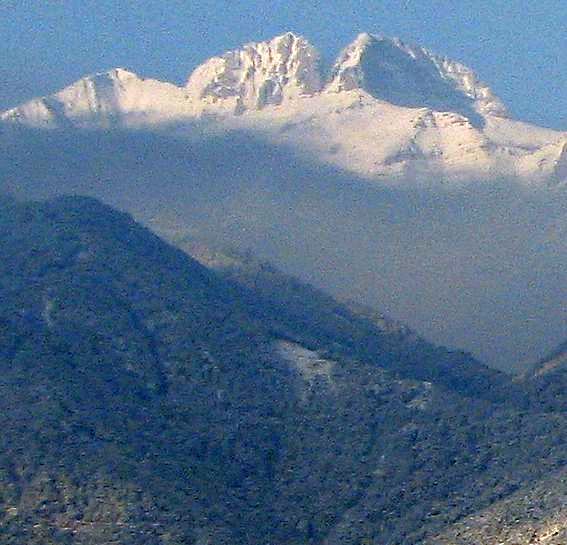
389, 111
259, 74
412, 76
105, 99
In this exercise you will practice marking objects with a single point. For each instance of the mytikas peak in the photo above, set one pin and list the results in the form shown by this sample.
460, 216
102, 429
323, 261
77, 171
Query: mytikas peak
388, 111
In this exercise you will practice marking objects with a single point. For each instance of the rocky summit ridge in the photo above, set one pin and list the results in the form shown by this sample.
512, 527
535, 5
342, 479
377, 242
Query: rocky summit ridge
411, 76
286, 67
388, 111
259, 74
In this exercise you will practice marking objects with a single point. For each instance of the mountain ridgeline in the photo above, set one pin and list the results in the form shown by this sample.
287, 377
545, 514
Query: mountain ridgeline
171, 393
388, 111
148, 399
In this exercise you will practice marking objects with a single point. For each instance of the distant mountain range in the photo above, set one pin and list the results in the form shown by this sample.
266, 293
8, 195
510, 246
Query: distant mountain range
389, 112
147, 398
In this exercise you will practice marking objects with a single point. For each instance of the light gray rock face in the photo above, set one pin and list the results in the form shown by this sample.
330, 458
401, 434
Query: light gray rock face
533, 516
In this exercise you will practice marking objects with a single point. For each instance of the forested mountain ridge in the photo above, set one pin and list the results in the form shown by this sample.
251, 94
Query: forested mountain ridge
547, 379
350, 329
144, 399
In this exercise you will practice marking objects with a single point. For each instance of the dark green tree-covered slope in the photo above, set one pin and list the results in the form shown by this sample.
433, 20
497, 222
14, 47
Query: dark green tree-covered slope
462, 267
346, 328
144, 399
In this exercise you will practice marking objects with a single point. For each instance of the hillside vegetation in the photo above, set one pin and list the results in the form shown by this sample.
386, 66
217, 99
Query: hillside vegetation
147, 399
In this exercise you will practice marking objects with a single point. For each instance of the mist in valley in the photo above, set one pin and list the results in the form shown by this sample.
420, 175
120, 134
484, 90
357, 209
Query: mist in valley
482, 268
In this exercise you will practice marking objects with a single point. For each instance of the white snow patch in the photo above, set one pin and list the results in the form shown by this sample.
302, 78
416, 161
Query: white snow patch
308, 364
47, 312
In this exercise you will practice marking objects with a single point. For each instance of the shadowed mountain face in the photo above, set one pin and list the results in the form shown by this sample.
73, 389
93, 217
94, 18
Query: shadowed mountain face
409, 77
144, 399
390, 71
482, 268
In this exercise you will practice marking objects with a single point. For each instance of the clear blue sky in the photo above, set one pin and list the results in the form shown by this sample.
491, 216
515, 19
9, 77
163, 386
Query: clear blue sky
518, 47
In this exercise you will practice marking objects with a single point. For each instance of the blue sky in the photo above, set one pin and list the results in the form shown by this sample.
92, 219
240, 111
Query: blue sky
518, 47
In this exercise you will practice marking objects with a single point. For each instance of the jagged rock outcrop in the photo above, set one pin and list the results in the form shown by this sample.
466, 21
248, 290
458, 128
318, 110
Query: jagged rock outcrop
258, 75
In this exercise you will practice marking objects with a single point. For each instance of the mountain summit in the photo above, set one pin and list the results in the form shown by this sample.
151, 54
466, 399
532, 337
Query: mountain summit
412, 76
259, 74
287, 67
388, 111
114, 98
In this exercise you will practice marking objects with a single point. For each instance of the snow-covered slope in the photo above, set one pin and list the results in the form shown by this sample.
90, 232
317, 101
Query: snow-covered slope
116, 98
389, 112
